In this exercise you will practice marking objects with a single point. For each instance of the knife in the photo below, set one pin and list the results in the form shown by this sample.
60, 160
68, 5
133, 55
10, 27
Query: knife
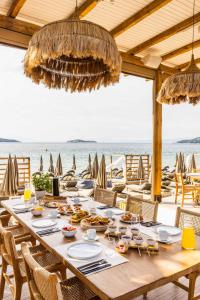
95, 264
96, 269
90, 264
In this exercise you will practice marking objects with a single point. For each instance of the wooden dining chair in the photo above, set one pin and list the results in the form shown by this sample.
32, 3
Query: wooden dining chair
105, 196
47, 286
13, 258
146, 208
184, 216
188, 190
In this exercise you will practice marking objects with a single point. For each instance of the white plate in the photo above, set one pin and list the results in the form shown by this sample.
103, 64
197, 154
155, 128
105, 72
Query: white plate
81, 199
22, 206
43, 223
84, 250
172, 230
117, 211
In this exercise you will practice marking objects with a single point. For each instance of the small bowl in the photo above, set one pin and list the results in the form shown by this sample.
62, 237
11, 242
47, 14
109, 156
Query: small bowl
126, 239
69, 231
37, 212
112, 228
151, 242
122, 229
135, 231
139, 240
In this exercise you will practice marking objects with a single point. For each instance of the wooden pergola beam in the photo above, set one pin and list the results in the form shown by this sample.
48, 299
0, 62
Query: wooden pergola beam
181, 50
15, 25
85, 8
139, 16
15, 8
165, 34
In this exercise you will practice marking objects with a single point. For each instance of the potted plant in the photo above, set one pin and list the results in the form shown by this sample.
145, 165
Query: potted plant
42, 183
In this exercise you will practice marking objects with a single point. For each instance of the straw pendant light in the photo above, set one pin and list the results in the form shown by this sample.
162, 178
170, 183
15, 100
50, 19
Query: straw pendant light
183, 86
73, 54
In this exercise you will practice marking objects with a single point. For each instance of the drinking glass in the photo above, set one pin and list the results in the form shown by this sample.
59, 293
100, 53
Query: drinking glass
188, 238
27, 192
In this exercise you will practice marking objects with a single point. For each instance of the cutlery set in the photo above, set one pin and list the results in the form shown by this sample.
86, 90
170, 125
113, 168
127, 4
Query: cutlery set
94, 266
47, 231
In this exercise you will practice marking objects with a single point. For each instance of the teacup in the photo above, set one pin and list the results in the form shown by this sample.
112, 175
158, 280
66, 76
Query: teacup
91, 234
151, 242
163, 235
109, 213
76, 201
53, 214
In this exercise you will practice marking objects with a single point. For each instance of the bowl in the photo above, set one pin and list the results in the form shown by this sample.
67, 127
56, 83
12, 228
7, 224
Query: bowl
122, 229
126, 239
151, 242
135, 231
138, 240
112, 228
37, 211
69, 231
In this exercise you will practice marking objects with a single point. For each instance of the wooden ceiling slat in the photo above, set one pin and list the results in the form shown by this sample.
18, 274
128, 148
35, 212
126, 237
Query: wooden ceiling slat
139, 16
85, 8
181, 50
165, 34
15, 7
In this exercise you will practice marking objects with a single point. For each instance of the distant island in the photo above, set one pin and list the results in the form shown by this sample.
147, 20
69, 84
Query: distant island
80, 141
8, 141
190, 141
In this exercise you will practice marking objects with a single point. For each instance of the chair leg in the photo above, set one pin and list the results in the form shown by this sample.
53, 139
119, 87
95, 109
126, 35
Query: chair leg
176, 196
18, 290
182, 203
2, 282
63, 273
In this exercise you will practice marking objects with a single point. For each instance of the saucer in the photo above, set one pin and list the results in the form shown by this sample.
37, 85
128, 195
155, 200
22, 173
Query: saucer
86, 238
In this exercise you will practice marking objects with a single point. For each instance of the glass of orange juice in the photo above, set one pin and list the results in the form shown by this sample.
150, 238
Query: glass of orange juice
188, 237
27, 192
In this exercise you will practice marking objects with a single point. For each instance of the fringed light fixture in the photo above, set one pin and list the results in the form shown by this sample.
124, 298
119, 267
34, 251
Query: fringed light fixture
73, 54
183, 86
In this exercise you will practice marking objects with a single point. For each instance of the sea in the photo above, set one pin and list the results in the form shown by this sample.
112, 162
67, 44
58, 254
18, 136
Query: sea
82, 150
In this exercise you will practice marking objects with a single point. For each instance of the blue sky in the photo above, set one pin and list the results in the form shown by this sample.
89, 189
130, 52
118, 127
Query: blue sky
120, 113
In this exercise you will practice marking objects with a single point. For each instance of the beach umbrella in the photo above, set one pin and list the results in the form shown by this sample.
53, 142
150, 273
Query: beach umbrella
74, 163
184, 169
41, 164
101, 177
16, 171
95, 167
9, 187
89, 168
192, 164
51, 167
59, 169
140, 170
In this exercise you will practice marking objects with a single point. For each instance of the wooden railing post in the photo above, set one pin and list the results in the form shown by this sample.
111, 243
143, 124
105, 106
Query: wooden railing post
157, 141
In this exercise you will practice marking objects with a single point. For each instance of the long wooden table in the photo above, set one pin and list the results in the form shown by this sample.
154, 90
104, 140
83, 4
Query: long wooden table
126, 281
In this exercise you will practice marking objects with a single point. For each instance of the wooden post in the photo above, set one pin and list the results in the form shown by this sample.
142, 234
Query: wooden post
111, 166
157, 141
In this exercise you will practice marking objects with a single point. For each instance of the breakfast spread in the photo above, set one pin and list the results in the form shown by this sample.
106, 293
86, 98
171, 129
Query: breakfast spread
65, 209
97, 220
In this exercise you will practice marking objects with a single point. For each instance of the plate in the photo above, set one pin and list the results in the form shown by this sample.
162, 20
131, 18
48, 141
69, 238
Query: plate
84, 250
172, 230
43, 223
22, 206
81, 199
117, 211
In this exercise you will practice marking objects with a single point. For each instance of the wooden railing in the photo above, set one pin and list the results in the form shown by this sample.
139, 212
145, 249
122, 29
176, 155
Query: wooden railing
23, 167
132, 161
